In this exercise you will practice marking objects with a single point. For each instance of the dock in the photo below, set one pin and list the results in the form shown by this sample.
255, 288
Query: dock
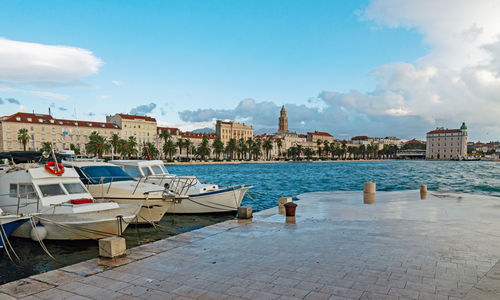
445, 246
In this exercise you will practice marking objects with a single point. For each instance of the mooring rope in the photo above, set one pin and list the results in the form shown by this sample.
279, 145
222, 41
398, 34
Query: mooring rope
5, 246
42, 244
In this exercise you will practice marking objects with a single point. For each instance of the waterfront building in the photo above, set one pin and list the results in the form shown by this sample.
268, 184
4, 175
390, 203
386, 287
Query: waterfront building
232, 130
143, 128
283, 121
45, 128
318, 135
361, 140
445, 144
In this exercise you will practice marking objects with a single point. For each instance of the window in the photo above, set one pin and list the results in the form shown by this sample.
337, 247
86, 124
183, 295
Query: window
74, 188
164, 169
133, 171
50, 190
157, 170
105, 174
146, 171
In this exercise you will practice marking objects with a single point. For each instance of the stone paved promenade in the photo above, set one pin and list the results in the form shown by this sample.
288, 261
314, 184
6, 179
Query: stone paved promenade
401, 247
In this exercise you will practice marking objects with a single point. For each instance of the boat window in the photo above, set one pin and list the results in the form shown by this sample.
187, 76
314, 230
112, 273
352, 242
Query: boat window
164, 169
49, 190
74, 188
13, 190
133, 171
146, 171
26, 191
157, 170
105, 174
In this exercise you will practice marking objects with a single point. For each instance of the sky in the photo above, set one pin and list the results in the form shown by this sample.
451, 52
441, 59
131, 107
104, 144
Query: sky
373, 67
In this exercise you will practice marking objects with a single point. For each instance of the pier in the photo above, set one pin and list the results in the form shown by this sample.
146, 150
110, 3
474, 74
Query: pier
403, 246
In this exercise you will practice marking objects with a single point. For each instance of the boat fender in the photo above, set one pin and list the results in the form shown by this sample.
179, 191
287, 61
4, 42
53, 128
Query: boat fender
38, 233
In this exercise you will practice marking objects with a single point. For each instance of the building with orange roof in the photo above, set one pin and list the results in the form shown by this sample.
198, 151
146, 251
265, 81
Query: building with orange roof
446, 144
143, 128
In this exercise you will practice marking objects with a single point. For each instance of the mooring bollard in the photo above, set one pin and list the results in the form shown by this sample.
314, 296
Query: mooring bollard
111, 247
290, 209
369, 189
245, 212
423, 192
283, 200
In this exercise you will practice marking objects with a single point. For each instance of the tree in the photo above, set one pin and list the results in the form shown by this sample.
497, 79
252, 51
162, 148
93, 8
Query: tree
204, 147
23, 137
326, 148
165, 135
362, 151
169, 148
308, 152
267, 146
122, 148
319, 143
180, 143
279, 144
187, 145
256, 151
231, 147
46, 147
74, 148
250, 143
344, 149
115, 140
97, 144
131, 146
242, 148
152, 150
300, 149
218, 147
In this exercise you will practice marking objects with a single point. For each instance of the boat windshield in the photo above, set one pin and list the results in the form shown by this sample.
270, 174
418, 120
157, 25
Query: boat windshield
133, 171
105, 174
49, 190
158, 170
74, 188
164, 169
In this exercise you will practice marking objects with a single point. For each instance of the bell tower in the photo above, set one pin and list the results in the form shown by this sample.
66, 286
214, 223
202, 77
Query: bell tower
283, 120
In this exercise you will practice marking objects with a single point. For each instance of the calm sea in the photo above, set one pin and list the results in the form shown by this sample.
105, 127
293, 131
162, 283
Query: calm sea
270, 181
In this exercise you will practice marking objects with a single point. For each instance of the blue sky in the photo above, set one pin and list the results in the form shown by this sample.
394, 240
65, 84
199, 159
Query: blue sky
189, 62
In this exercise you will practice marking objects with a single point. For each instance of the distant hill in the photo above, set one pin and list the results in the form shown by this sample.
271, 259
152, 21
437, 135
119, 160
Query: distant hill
264, 130
204, 130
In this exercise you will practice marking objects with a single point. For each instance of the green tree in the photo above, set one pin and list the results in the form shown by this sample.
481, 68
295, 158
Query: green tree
344, 149
74, 148
256, 152
267, 146
362, 151
23, 137
204, 148
218, 147
115, 140
326, 148
250, 143
242, 148
131, 146
279, 144
308, 152
180, 143
300, 149
97, 145
187, 145
46, 147
169, 148
231, 147
319, 143
152, 150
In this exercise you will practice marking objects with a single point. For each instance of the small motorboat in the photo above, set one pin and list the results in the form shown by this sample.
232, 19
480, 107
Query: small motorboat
201, 197
60, 205
8, 224
108, 182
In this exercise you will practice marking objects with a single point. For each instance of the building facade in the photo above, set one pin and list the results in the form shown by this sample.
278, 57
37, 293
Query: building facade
283, 121
232, 130
446, 144
45, 128
143, 128
318, 135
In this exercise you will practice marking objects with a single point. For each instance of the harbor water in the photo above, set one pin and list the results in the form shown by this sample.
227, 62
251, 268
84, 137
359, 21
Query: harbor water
270, 181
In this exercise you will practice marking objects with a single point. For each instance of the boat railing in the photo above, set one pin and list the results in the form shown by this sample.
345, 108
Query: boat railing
28, 197
181, 184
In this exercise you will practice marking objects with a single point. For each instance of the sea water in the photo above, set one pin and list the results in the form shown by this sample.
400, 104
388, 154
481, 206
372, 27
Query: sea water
270, 181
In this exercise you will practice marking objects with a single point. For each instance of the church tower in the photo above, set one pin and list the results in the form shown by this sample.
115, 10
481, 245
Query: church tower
283, 121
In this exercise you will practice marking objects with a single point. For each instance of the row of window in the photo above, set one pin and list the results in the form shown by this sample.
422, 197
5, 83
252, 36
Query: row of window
26, 190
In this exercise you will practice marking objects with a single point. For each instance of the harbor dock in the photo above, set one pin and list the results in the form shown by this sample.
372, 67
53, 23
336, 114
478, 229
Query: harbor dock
403, 246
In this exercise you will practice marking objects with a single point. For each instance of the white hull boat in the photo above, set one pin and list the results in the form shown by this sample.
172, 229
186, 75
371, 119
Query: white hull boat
61, 207
201, 198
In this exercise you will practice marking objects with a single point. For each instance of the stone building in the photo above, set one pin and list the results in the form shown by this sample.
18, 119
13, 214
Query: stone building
318, 135
445, 144
45, 128
143, 128
283, 121
232, 130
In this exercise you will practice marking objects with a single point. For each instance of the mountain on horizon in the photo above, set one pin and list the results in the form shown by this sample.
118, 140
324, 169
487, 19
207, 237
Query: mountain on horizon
204, 130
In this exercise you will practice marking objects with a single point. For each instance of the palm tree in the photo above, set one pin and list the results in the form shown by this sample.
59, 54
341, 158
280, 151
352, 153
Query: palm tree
169, 148
231, 147
242, 148
218, 147
152, 150
115, 141
267, 146
344, 149
279, 144
23, 137
319, 143
204, 148
362, 151
97, 144
131, 146
122, 148
250, 143
187, 145
326, 148
46, 147
256, 151
165, 135
308, 152
74, 148
180, 143
300, 149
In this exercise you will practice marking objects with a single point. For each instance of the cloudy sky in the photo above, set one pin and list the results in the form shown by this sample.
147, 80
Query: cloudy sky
378, 68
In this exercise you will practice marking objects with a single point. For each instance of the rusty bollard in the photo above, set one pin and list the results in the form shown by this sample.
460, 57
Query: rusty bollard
290, 209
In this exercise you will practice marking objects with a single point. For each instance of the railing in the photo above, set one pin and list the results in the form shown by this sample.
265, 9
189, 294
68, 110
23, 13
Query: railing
26, 197
177, 184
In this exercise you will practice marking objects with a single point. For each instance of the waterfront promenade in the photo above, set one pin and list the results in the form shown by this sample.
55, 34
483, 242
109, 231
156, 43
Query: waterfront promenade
402, 247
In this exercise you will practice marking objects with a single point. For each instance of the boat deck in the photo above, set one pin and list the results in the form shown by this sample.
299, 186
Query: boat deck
402, 247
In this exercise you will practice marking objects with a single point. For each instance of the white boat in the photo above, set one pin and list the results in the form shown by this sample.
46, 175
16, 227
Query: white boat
202, 198
107, 182
61, 207
8, 224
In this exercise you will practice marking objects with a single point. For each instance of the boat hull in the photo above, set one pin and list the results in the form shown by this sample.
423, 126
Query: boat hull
82, 226
152, 210
224, 200
9, 225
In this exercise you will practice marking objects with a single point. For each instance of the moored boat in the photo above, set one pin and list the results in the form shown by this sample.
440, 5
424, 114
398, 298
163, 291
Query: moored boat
8, 224
201, 197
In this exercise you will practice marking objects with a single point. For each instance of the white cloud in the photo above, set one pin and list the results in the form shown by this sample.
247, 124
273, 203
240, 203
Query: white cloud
48, 95
184, 126
39, 63
116, 82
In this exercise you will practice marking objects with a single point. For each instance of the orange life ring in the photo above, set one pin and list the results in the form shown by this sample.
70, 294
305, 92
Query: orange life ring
49, 166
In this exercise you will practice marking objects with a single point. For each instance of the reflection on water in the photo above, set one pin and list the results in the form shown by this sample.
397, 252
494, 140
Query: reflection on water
270, 182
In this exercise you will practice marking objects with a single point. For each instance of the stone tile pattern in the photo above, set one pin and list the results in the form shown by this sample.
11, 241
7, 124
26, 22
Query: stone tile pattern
399, 248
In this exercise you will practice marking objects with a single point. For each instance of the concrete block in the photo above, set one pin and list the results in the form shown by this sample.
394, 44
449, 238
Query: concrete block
111, 247
244, 212
369, 189
283, 200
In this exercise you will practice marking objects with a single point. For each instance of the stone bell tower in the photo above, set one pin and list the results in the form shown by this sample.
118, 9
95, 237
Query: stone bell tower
283, 121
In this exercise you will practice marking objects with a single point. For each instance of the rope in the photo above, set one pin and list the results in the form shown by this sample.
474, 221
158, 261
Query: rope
76, 228
4, 244
42, 244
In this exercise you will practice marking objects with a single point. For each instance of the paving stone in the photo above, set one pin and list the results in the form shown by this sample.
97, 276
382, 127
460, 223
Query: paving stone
24, 287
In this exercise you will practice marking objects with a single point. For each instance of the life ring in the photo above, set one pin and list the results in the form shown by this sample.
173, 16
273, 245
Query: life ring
49, 166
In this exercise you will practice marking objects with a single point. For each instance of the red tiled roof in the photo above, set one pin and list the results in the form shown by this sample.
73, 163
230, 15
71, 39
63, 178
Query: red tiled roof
21, 117
134, 117
302, 136
414, 141
320, 133
193, 135
360, 137
444, 131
